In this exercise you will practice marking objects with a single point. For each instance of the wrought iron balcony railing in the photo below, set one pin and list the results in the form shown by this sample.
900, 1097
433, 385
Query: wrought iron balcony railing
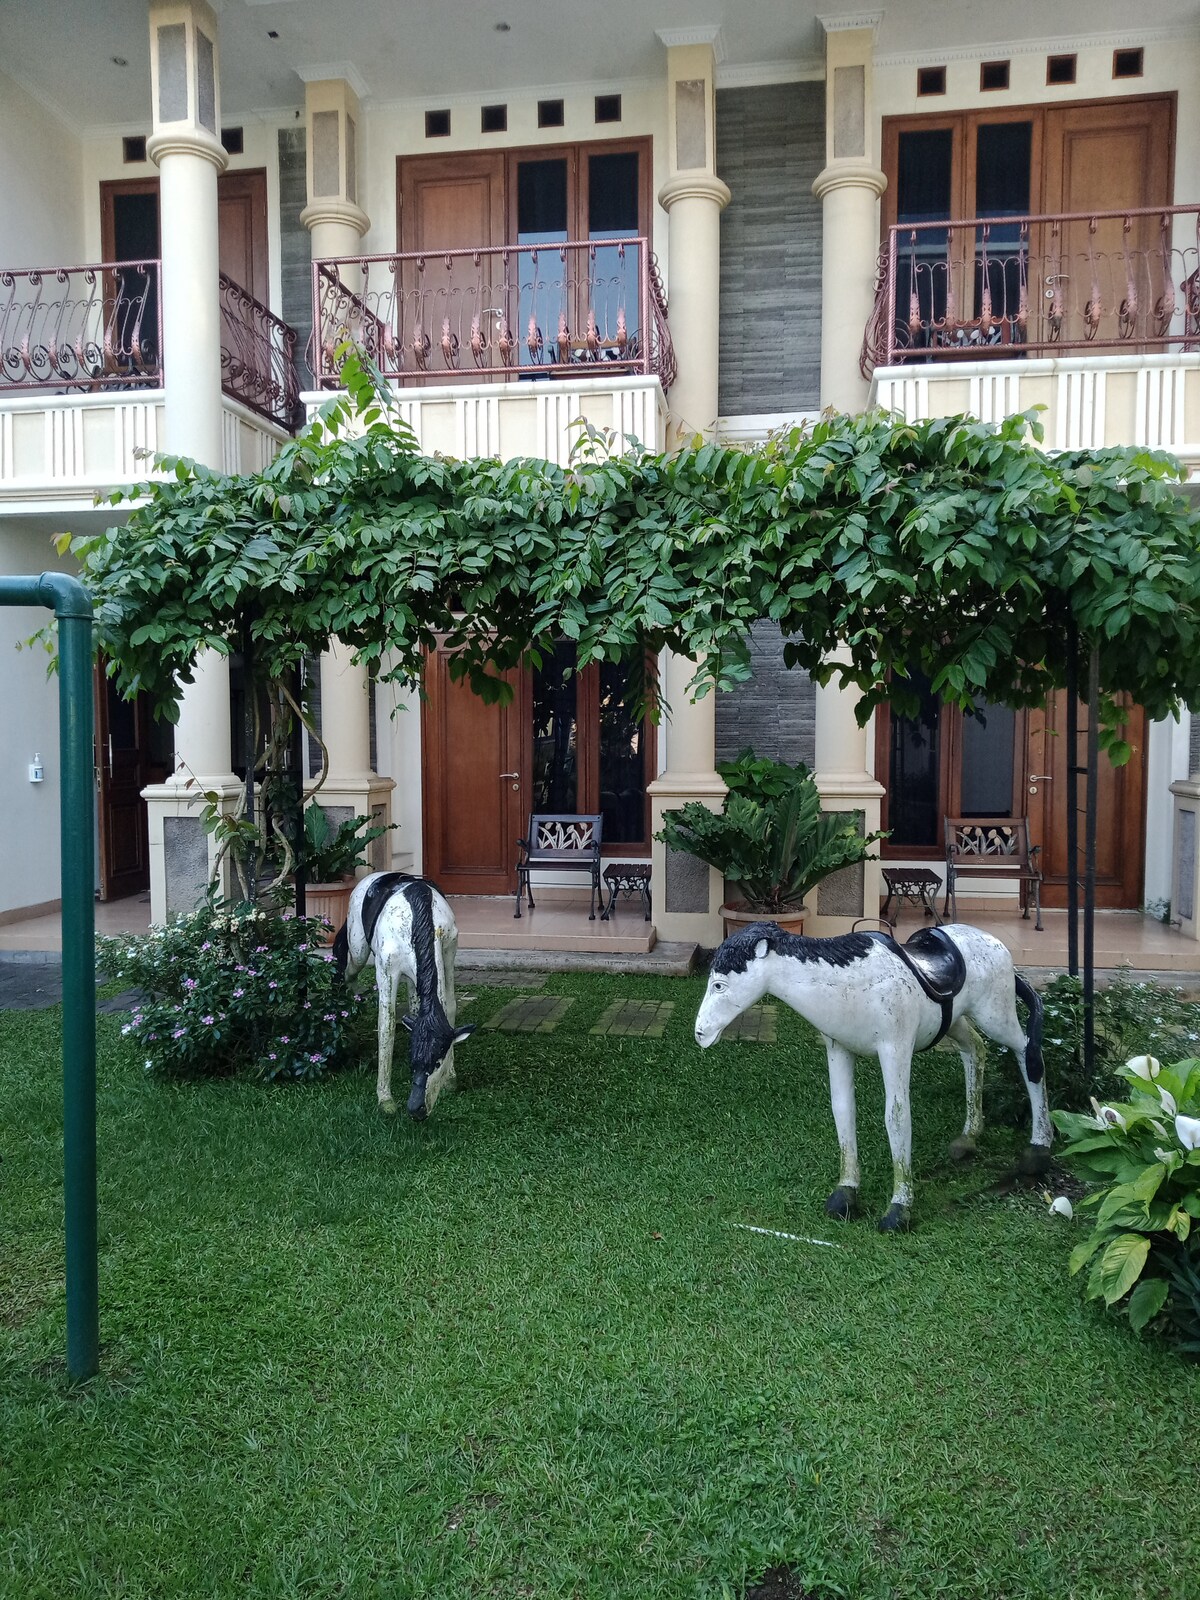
568, 310
1037, 285
93, 328
81, 328
258, 357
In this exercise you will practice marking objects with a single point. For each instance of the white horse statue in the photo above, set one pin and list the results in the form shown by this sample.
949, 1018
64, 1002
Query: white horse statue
867, 995
406, 927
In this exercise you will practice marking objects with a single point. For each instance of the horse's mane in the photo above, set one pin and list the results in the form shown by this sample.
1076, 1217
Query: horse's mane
737, 952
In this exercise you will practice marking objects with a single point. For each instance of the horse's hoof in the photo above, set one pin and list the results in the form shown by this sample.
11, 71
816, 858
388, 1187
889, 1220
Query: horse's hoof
388, 1107
1035, 1161
896, 1219
964, 1148
842, 1203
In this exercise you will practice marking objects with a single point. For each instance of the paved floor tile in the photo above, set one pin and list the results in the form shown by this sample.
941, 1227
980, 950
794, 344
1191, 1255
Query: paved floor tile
531, 1013
756, 1026
641, 1019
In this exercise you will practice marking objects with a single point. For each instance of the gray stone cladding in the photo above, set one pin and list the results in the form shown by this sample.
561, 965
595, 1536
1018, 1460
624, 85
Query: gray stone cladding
770, 147
295, 241
775, 713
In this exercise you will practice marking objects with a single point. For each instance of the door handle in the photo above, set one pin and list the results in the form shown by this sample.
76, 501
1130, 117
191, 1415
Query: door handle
515, 775
1039, 777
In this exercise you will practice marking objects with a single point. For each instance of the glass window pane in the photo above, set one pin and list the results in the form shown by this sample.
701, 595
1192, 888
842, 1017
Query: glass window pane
541, 202
613, 214
1003, 151
924, 171
555, 732
914, 770
622, 768
988, 752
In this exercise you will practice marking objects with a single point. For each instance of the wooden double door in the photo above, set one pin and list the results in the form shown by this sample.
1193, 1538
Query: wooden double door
564, 743
1008, 763
129, 225
132, 750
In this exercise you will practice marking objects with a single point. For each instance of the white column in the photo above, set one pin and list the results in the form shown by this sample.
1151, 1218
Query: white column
186, 146
847, 788
849, 187
333, 216
688, 895
350, 787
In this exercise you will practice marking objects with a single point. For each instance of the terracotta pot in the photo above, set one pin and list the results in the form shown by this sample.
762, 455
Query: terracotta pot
736, 917
329, 900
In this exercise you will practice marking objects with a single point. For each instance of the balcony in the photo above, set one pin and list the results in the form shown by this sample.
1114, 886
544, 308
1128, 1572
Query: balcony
1095, 317
81, 380
500, 351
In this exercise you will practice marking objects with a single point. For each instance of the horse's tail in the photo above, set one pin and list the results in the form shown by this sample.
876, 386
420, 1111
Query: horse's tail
341, 952
1034, 1066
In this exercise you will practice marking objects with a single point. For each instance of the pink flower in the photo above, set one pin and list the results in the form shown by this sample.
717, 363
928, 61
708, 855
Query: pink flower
189, 983
284, 1039
314, 1058
272, 984
271, 1055
179, 1033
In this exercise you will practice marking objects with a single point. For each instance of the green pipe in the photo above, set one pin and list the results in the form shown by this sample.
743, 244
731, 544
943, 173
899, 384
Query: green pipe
72, 607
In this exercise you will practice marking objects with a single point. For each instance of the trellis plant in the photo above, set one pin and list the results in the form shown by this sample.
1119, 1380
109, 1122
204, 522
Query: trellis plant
950, 546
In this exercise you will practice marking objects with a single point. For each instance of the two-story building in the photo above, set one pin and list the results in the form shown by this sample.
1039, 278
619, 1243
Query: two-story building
669, 217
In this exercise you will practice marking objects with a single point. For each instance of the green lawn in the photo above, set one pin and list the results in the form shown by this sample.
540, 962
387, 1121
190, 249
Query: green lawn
521, 1350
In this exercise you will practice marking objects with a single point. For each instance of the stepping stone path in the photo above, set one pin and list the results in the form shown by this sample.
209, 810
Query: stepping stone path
757, 1025
638, 1019
531, 1013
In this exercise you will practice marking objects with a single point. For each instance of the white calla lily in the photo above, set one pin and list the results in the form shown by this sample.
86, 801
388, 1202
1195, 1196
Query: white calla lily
1168, 1101
1112, 1117
1147, 1067
1187, 1131
1060, 1206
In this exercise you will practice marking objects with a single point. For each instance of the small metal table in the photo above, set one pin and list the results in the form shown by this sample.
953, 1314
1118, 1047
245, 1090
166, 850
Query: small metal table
627, 878
917, 885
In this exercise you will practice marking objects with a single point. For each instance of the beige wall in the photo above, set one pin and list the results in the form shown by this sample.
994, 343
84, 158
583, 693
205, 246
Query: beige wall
30, 858
40, 184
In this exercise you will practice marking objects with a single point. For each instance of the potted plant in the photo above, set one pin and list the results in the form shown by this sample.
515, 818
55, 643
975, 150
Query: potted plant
330, 857
770, 840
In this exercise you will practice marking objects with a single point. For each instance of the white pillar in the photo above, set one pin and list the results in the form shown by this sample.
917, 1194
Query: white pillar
849, 187
350, 787
687, 894
333, 215
847, 789
186, 146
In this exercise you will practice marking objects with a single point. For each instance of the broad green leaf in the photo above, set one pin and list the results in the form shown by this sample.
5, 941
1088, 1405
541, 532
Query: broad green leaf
1121, 1265
1146, 1301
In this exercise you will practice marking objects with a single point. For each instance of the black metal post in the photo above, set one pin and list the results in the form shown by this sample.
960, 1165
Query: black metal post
249, 693
1072, 765
297, 761
1089, 880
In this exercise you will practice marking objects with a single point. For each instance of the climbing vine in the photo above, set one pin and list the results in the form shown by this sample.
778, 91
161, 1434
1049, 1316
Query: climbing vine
954, 547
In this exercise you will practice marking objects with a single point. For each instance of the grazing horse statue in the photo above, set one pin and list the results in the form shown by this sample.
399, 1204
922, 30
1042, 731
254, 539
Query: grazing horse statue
405, 925
868, 995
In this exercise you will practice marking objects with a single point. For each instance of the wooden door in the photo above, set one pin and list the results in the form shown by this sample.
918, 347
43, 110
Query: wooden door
474, 761
1120, 838
1102, 157
129, 225
124, 765
242, 229
452, 203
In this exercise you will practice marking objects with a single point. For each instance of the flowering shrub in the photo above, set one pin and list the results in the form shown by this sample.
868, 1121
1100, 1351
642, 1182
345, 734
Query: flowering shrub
1145, 1152
1130, 1016
237, 990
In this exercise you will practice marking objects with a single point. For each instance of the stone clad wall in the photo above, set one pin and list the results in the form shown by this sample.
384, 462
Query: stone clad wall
770, 147
775, 713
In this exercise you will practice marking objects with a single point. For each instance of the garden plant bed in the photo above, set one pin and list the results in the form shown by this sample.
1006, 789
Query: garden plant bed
524, 1349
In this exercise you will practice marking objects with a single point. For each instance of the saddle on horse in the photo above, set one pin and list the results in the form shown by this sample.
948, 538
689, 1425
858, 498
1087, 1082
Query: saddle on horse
936, 962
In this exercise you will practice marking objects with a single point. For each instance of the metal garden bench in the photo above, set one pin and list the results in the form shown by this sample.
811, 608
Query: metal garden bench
560, 842
992, 847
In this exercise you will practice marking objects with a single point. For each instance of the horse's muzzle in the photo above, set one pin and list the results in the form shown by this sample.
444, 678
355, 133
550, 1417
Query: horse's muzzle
417, 1109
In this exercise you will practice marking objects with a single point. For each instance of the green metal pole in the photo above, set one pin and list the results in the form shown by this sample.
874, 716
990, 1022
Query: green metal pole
73, 608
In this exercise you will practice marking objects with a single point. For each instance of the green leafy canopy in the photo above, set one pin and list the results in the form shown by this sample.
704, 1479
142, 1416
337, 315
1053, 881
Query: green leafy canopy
952, 546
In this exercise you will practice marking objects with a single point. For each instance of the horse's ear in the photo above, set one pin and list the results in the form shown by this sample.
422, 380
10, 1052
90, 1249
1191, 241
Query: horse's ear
761, 948
465, 1032
408, 1022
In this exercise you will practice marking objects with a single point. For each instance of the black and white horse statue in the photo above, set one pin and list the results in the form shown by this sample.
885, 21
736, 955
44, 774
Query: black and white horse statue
868, 995
406, 927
